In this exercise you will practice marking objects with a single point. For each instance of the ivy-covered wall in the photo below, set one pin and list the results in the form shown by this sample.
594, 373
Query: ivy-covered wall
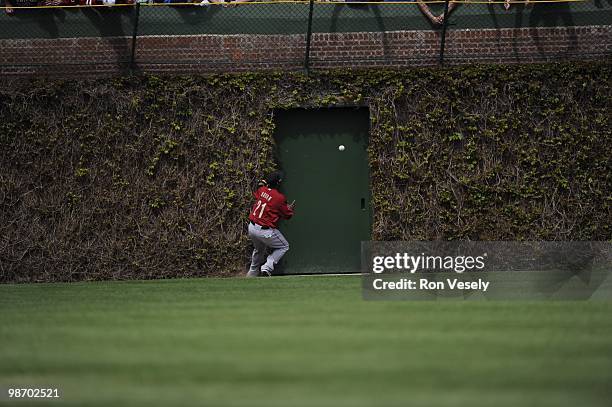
150, 177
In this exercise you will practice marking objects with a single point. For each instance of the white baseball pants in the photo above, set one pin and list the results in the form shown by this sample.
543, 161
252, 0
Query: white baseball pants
264, 239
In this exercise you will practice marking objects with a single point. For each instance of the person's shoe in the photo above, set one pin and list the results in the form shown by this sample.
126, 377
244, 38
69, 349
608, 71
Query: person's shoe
266, 272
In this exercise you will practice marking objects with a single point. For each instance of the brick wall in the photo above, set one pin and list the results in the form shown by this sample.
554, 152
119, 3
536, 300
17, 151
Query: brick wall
234, 53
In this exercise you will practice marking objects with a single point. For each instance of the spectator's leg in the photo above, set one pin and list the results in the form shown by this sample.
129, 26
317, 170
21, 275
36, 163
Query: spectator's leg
427, 12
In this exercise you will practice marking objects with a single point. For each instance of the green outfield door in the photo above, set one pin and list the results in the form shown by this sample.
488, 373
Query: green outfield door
330, 187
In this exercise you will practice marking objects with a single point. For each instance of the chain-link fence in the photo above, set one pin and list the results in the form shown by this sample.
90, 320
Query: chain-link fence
98, 36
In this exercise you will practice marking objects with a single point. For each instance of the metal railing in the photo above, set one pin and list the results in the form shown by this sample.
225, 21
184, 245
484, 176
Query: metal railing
300, 34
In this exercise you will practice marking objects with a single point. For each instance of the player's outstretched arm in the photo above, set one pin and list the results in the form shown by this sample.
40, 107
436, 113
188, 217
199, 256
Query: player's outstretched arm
286, 210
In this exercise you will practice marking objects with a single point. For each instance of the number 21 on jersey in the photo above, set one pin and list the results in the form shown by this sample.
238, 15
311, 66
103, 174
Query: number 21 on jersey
259, 207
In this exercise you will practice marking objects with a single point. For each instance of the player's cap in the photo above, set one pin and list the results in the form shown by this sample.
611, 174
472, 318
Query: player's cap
274, 178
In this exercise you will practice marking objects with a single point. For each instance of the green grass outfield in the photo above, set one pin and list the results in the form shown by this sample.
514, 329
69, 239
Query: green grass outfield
298, 341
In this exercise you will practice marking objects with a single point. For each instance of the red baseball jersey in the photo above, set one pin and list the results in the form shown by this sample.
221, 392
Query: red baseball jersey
270, 206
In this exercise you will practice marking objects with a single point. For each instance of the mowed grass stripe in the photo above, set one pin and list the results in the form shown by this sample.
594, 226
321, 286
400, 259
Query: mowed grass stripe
299, 342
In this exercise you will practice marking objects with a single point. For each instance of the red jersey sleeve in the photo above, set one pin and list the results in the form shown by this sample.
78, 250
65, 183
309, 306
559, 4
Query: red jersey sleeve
285, 210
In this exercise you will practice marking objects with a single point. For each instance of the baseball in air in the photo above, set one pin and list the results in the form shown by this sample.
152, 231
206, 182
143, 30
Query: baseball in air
341, 147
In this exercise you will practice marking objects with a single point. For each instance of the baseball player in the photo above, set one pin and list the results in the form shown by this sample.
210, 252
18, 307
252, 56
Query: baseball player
270, 206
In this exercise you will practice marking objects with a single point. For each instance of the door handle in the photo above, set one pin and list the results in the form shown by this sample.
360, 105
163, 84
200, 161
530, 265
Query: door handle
363, 204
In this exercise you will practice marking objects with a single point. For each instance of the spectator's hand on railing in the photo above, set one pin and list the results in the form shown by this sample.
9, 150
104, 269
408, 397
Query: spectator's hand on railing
506, 4
8, 8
